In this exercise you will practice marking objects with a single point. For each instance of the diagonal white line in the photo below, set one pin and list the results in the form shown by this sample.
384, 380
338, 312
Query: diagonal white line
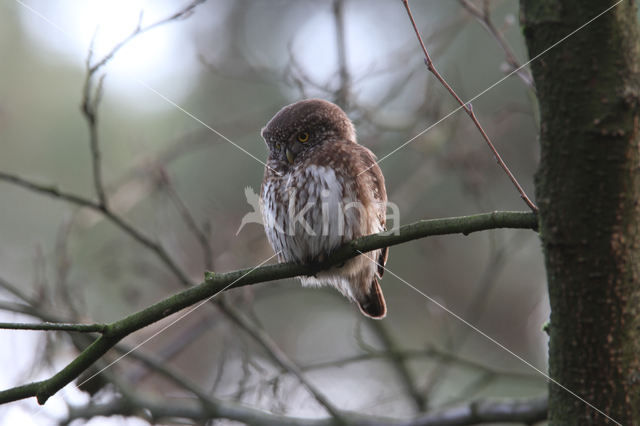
497, 83
181, 317
142, 83
44, 18
491, 339
172, 103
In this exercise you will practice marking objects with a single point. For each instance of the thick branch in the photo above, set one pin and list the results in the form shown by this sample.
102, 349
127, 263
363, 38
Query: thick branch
518, 411
216, 283
162, 254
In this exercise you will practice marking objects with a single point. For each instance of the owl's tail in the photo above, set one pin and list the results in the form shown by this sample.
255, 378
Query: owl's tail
372, 304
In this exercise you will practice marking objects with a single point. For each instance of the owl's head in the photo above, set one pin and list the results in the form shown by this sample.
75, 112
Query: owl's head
303, 125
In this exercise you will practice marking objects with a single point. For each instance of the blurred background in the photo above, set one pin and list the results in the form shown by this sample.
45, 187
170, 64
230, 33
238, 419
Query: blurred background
232, 65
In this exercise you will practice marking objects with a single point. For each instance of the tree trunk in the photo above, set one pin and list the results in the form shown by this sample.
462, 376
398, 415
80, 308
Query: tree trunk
588, 192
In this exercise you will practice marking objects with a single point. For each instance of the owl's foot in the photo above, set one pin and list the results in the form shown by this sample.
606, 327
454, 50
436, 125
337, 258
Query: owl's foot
319, 260
323, 258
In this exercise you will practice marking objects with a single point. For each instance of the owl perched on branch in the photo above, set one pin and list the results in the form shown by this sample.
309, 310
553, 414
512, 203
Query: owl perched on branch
320, 190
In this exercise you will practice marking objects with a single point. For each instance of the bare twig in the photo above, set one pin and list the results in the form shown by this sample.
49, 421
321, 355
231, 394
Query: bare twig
19, 308
17, 292
164, 257
175, 347
90, 103
484, 17
216, 283
89, 109
473, 312
111, 216
91, 97
342, 95
280, 357
468, 109
251, 327
417, 354
190, 221
400, 364
51, 326
180, 14
50, 190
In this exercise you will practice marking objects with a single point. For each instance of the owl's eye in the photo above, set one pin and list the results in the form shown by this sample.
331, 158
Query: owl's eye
278, 146
303, 137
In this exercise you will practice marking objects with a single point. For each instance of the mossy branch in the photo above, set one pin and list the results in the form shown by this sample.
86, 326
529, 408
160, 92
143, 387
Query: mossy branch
215, 283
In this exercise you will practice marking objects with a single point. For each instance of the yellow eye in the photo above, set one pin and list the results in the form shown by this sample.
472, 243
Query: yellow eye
303, 137
278, 146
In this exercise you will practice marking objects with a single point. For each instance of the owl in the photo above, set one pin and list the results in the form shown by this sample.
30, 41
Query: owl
320, 190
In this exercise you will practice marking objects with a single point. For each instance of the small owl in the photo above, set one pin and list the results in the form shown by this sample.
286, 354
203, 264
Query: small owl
320, 190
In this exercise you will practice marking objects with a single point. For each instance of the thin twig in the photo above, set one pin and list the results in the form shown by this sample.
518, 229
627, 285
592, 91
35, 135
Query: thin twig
484, 18
414, 354
16, 291
400, 364
160, 252
189, 220
281, 358
216, 283
91, 98
52, 326
50, 190
251, 327
89, 107
468, 109
181, 14
235, 315
473, 312
417, 354
111, 216
342, 95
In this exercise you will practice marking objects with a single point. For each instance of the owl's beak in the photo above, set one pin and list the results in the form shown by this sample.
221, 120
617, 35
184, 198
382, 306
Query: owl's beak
290, 156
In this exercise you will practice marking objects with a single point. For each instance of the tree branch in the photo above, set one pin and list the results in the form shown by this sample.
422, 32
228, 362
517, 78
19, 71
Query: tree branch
91, 97
477, 412
483, 16
344, 88
385, 335
261, 336
215, 283
79, 201
231, 312
468, 109
54, 326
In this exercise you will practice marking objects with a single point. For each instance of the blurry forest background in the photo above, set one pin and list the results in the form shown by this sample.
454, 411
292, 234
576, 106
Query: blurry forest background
233, 64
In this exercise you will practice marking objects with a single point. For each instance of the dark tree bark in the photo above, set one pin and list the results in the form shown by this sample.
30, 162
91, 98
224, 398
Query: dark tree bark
588, 192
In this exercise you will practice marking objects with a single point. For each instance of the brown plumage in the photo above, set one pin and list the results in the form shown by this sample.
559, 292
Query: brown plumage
320, 190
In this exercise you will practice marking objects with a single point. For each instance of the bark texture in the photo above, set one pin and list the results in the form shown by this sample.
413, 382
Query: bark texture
588, 191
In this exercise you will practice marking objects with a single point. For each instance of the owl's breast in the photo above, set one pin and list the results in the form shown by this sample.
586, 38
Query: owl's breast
309, 212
